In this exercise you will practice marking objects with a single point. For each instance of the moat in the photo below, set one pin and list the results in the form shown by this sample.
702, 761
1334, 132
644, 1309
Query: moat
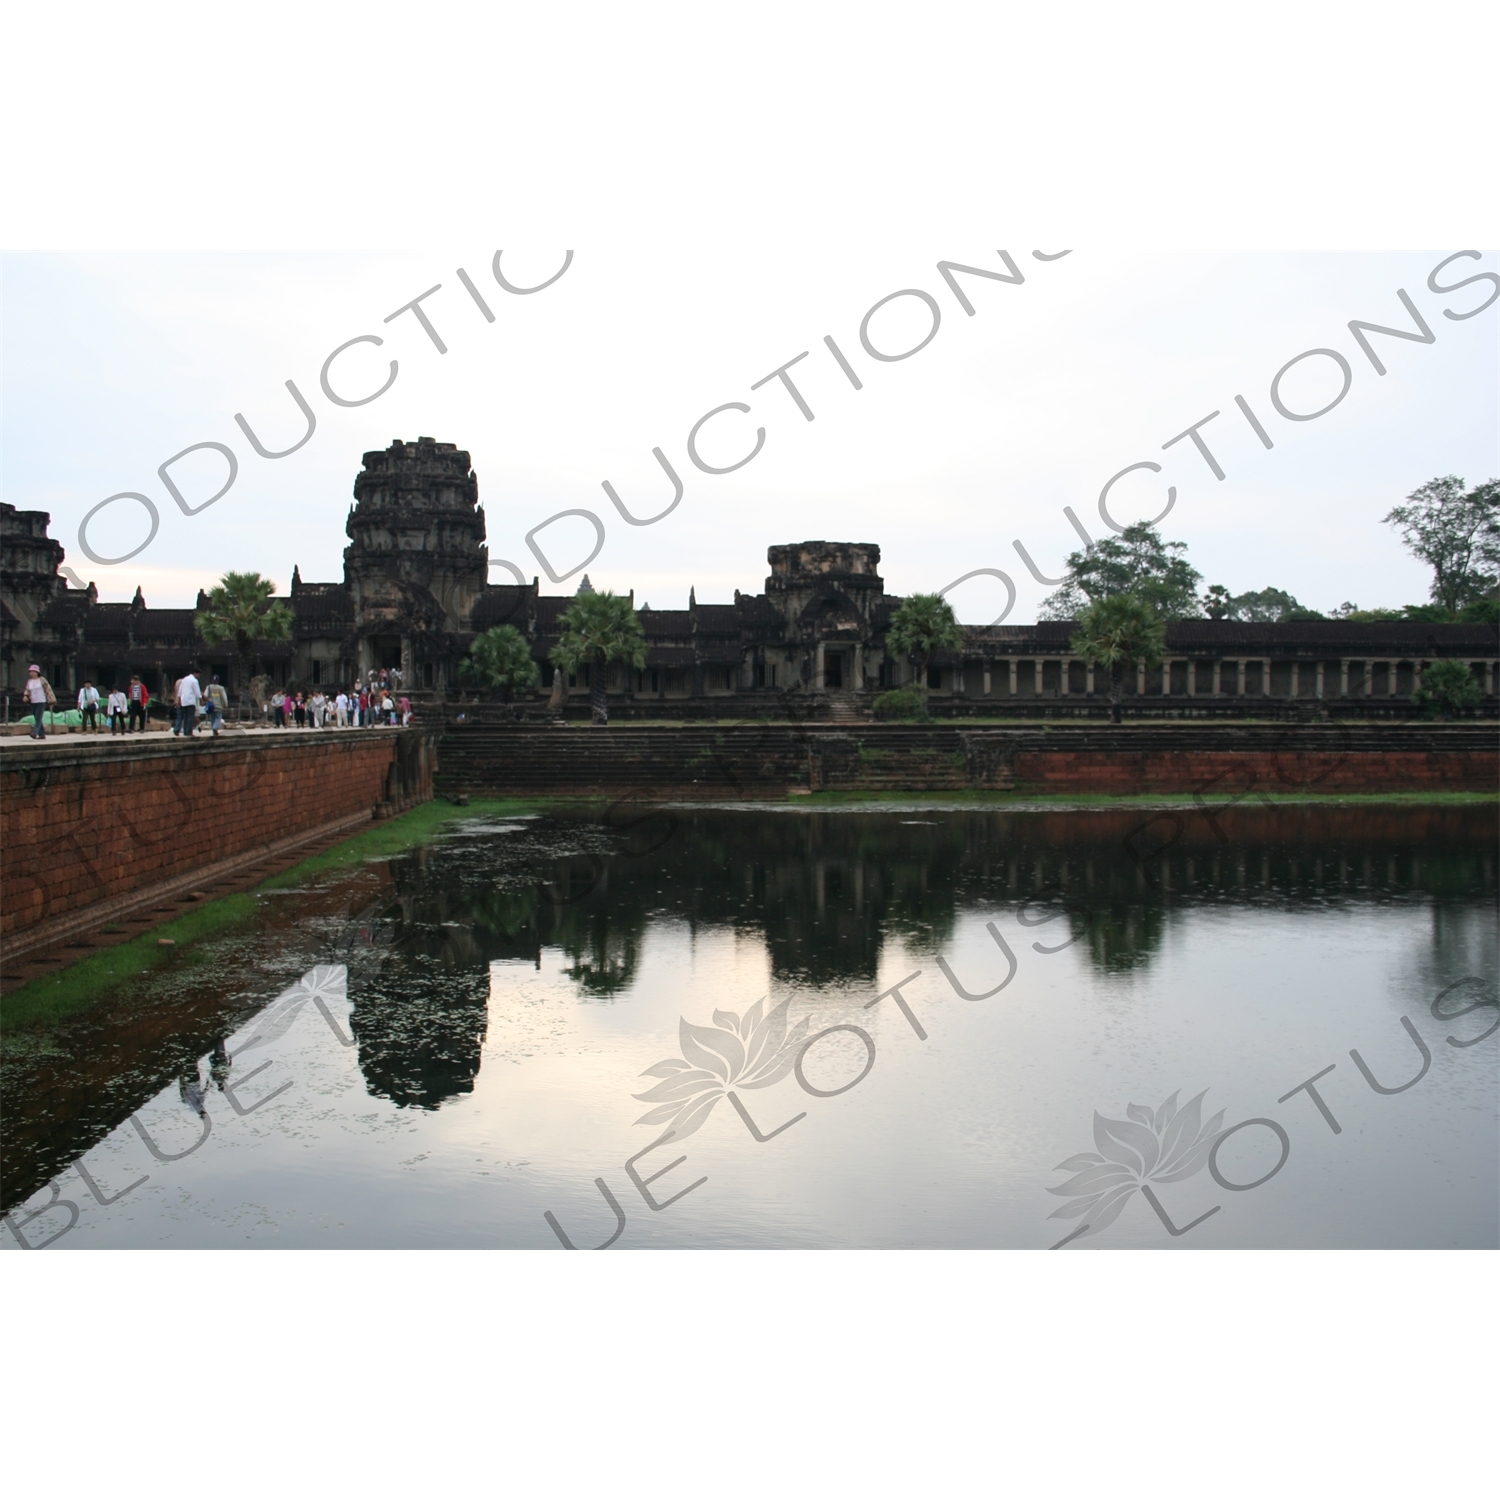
1245, 1027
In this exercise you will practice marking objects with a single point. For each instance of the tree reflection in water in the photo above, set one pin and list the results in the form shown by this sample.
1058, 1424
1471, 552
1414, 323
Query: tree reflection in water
824, 891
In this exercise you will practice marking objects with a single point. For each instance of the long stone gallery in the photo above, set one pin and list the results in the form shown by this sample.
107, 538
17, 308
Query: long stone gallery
812, 643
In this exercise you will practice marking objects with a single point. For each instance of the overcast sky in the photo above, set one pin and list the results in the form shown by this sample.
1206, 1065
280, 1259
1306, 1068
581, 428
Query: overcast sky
946, 458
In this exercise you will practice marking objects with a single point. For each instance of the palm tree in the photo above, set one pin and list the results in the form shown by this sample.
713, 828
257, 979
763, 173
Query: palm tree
1115, 632
599, 628
240, 609
922, 625
500, 660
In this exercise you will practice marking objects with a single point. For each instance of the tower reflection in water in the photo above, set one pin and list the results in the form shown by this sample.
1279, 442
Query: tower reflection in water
825, 893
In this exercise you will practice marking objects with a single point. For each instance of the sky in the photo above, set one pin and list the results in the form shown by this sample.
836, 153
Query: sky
114, 363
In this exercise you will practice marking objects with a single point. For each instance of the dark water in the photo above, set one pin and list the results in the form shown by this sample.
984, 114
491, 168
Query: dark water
447, 1047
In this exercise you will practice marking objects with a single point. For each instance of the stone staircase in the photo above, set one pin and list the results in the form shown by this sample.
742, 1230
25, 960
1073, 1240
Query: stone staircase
771, 759
766, 760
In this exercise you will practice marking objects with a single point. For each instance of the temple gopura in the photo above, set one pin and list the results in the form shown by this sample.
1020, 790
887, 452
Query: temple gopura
416, 592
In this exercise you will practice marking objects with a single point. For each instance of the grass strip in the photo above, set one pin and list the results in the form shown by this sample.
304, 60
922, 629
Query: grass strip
52, 997
1062, 800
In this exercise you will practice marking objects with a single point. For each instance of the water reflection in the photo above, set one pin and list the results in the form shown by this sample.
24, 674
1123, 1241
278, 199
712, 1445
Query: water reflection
827, 897
826, 892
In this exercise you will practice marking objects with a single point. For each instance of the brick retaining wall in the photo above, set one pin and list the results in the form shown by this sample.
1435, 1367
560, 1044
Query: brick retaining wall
86, 821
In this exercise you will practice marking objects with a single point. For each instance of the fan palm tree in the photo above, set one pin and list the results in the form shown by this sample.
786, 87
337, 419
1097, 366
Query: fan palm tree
922, 625
500, 660
241, 610
599, 628
1115, 632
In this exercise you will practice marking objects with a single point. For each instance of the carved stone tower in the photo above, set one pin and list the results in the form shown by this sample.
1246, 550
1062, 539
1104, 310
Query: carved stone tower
828, 593
417, 559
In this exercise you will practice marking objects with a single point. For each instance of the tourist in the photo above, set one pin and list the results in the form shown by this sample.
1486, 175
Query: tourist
218, 702
139, 695
387, 709
278, 708
405, 710
88, 707
116, 706
341, 709
317, 707
39, 698
189, 693
299, 711
364, 708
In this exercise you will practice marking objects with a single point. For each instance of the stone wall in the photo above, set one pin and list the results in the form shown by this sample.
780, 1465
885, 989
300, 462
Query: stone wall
87, 821
770, 760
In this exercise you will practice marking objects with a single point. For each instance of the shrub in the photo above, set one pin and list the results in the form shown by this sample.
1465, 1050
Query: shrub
1448, 687
901, 703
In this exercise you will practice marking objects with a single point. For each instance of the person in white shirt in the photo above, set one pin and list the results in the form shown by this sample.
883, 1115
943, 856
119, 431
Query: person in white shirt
189, 696
341, 709
118, 706
39, 698
319, 706
88, 706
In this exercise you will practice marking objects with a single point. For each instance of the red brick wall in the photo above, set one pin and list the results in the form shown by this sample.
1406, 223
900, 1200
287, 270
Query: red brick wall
89, 822
1225, 772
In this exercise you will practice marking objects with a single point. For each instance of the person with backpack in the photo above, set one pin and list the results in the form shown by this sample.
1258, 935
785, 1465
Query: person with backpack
116, 705
217, 700
88, 707
39, 698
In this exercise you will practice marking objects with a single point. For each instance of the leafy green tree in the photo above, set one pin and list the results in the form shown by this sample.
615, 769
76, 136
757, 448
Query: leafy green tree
600, 627
1456, 532
1136, 562
1117, 632
1448, 687
241, 610
501, 661
1269, 606
922, 625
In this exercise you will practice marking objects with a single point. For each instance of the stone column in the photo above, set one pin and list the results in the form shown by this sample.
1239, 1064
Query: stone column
1140, 679
1416, 676
1015, 684
986, 694
1296, 679
818, 668
1239, 678
858, 685
1265, 677
1166, 678
1065, 666
1489, 679
1089, 672
1320, 682
1344, 677
1390, 679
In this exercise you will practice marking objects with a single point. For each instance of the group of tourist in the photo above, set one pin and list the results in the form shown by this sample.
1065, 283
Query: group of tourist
360, 707
125, 707
357, 708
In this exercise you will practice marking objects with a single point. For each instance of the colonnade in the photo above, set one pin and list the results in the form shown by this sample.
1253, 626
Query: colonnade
1219, 677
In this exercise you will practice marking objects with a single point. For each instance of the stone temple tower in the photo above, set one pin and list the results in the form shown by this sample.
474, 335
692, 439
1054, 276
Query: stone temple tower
417, 559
